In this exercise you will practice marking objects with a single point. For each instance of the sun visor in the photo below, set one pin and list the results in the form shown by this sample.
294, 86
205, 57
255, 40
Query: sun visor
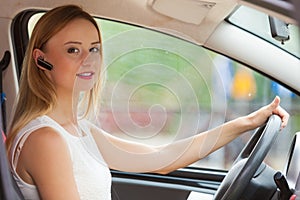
192, 11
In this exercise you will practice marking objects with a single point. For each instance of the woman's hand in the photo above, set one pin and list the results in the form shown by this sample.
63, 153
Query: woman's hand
260, 116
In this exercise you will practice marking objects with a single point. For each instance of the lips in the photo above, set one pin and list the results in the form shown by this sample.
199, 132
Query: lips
85, 75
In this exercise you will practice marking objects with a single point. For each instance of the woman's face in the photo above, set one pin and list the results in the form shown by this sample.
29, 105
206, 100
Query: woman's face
74, 54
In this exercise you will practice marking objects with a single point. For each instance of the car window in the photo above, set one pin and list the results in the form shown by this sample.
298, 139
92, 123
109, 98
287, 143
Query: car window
159, 89
258, 23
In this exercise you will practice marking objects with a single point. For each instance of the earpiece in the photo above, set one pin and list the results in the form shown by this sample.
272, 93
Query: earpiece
44, 64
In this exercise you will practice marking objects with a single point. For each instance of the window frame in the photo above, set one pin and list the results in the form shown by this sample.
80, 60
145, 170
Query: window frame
20, 39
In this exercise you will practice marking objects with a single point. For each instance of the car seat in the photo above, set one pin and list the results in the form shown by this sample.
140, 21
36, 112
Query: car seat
8, 187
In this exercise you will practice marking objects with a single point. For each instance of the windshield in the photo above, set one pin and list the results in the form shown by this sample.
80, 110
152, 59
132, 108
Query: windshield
159, 89
258, 23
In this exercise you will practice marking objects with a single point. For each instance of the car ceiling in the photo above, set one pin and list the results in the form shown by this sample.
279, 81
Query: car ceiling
203, 24
170, 16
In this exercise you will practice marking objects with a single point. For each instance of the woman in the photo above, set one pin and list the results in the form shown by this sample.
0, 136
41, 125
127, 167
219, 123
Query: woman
56, 155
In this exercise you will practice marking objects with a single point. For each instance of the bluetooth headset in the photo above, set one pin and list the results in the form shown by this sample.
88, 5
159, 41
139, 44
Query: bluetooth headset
44, 64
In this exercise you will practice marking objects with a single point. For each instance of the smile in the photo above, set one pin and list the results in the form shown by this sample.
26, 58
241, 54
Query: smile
85, 75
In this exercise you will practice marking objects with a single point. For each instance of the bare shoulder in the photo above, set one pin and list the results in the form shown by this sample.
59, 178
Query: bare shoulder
44, 146
44, 137
95, 130
46, 162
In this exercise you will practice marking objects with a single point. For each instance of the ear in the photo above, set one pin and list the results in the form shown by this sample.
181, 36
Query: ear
37, 53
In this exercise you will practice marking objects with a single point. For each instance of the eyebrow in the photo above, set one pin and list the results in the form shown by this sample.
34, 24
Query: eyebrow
77, 42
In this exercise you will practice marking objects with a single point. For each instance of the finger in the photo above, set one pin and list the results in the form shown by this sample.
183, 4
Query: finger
285, 118
283, 115
276, 109
275, 103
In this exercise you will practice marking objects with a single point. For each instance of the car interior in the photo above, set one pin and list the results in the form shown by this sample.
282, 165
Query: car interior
221, 59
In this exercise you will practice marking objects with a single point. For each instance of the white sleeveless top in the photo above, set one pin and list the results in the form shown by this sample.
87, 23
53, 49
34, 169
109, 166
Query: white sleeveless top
91, 173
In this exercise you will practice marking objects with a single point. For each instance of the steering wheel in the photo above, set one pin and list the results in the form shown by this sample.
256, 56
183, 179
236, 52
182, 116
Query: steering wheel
248, 161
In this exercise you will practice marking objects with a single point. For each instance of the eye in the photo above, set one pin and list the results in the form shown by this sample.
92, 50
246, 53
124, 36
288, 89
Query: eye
95, 49
73, 50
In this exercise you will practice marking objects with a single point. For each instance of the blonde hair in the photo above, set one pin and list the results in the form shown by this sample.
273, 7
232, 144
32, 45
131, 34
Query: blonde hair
37, 94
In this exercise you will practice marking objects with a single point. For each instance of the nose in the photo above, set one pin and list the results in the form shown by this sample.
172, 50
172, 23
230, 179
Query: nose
91, 59
87, 60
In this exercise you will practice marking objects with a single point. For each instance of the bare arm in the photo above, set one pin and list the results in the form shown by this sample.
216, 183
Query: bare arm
134, 157
46, 162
